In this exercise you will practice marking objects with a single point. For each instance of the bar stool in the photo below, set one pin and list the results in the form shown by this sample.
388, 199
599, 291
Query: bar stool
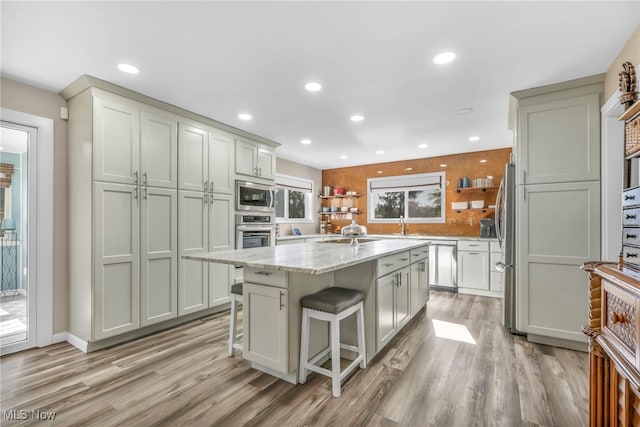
332, 305
236, 299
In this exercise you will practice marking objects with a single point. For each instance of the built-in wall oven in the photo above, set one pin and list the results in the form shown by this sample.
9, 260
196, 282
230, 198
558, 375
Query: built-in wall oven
254, 197
255, 230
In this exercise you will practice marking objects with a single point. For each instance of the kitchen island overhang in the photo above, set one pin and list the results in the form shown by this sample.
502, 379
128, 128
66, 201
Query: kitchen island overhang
277, 277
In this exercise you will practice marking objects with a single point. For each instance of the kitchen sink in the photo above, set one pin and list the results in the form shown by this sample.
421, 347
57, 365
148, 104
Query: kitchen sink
347, 241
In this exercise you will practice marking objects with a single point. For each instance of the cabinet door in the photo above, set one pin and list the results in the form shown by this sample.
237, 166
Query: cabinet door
559, 141
416, 297
246, 154
496, 279
266, 163
193, 157
385, 300
557, 230
424, 281
266, 326
473, 270
221, 158
158, 255
116, 293
116, 140
193, 237
159, 150
403, 296
221, 237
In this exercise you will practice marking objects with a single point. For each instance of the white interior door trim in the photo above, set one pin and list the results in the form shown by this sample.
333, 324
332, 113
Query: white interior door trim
40, 242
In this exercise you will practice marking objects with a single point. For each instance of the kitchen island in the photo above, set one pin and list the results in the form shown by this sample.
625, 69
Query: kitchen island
391, 273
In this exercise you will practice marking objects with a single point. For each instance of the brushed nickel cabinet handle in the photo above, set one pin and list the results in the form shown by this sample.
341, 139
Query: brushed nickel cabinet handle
263, 273
144, 178
630, 216
629, 197
135, 177
281, 301
632, 236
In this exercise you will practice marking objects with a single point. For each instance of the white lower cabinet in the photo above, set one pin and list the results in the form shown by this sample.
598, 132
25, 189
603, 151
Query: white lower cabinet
496, 279
473, 270
267, 335
159, 255
419, 280
205, 226
116, 293
393, 304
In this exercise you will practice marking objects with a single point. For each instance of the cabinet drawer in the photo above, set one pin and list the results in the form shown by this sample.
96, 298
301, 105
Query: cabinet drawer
619, 322
392, 262
495, 246
265, 276
473, 245
631, 197
631, 216
419, 253
631, 236
631, 255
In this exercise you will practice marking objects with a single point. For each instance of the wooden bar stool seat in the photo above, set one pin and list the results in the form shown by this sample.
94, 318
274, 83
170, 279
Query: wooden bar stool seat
236, 299
332, 305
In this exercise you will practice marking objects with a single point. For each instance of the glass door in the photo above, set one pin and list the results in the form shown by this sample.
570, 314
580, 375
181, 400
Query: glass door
17, 302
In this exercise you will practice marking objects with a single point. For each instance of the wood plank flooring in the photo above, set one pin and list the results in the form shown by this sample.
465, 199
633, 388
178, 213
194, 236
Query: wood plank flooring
184, 377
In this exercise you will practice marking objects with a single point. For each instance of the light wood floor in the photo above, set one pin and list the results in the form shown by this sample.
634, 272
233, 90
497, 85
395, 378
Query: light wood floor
184, 377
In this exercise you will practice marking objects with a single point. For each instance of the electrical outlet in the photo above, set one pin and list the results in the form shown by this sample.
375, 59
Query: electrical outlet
453, 221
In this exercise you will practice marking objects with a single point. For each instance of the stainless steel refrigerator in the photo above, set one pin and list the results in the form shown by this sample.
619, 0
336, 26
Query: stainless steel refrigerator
506, 234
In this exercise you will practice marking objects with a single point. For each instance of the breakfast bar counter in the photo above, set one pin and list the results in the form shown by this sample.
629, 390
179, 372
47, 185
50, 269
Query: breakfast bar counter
391, 273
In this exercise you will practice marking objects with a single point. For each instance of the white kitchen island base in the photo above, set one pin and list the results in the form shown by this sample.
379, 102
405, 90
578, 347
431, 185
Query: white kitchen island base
276, 278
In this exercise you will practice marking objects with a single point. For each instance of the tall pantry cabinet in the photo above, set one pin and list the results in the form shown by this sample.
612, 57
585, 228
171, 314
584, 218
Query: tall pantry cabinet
557, 207
146, 186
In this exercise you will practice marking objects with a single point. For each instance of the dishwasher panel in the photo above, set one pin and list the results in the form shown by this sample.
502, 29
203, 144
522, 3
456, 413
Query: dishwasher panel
443, 265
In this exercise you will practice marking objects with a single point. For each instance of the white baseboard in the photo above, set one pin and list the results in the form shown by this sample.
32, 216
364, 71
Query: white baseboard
480, 292
71, 339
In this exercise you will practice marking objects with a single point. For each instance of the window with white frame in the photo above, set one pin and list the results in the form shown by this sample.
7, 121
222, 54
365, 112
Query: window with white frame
294, 199
419, 198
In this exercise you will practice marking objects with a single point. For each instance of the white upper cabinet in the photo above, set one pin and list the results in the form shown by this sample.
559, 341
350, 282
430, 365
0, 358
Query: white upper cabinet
254, 160
193, 171
159, 150
116, 139
559, 140
221, 158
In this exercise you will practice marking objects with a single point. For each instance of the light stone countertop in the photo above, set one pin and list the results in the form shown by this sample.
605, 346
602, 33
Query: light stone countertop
310, 258
387, 236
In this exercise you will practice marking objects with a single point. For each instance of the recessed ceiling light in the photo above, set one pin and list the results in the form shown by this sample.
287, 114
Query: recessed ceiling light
483, 161
244, 116
379, 171
423, 146
127, 68
474, 138
357, 118
444, 58
313, 86
344, 157
464, 111
379, 152
305, 141
443, 165
408, 169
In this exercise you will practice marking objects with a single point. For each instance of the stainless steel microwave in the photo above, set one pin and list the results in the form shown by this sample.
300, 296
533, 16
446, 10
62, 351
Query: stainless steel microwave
251, 196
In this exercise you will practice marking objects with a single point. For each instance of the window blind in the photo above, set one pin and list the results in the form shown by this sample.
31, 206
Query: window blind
294, 183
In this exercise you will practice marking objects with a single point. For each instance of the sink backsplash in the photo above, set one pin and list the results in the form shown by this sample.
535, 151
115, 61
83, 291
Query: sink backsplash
458, 223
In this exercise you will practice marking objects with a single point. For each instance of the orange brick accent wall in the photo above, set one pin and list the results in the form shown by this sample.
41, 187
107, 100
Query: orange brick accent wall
465, 223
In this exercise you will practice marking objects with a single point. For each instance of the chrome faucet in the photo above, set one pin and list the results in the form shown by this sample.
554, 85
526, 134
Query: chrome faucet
402, 225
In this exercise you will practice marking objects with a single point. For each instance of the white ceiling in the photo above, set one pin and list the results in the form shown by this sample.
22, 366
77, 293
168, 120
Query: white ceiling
374, 58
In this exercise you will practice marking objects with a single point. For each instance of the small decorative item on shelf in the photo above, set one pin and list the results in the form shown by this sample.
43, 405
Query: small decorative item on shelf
325, 209
354, 210
465, 182
344, 209
334, 209
338, 191
627, 83
477, 204
326, 191
458, 206
460, 183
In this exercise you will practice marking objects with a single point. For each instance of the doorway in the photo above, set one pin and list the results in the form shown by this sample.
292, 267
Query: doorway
26, 231
16, 314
